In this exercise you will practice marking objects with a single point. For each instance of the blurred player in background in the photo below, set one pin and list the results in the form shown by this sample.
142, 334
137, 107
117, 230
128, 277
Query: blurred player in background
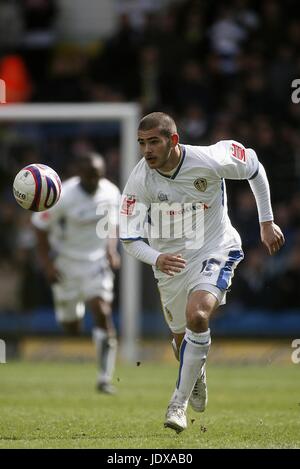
185, 185
79, 261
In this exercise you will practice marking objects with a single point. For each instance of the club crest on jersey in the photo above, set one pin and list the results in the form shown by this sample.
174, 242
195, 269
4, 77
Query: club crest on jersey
128, 205
200, 184
162, 197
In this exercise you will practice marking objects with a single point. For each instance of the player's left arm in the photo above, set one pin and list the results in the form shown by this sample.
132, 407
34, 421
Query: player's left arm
270, 233
271, 236
234, 161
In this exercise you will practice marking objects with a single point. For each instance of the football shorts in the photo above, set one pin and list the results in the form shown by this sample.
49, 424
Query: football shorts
212, 273
81, 281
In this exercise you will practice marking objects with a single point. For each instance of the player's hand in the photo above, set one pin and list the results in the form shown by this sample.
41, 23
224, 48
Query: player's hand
271, 236
114, 259
52, 273
170, 263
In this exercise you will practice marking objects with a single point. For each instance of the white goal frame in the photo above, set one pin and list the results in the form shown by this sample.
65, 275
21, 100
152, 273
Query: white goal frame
128, 115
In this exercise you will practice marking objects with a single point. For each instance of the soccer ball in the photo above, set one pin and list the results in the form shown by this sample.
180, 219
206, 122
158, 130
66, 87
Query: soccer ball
37, 187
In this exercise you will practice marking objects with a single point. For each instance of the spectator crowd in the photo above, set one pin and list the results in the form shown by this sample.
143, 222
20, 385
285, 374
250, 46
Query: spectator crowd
224, 70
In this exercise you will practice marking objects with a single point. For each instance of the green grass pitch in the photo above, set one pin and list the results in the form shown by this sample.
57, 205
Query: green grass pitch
55, 405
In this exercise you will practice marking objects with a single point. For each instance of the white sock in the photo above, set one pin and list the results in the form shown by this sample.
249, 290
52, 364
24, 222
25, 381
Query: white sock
193, 352
106, 350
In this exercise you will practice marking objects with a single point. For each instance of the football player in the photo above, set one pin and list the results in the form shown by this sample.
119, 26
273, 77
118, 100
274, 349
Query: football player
79, 259
179, 190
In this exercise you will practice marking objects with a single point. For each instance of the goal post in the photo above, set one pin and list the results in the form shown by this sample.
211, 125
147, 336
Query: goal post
128, 115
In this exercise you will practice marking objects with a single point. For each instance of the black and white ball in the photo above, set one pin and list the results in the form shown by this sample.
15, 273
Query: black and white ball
37, 187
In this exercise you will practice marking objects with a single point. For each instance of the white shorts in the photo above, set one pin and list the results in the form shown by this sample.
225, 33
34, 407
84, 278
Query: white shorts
81, 281
212, 273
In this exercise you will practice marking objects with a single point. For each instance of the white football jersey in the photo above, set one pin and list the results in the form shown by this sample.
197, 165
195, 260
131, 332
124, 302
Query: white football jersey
186, 212
77, 223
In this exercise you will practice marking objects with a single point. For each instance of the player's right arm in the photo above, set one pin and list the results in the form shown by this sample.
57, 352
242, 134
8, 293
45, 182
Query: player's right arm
44, 250
133, 213
170, 263
167, 263
42, 223
233, 161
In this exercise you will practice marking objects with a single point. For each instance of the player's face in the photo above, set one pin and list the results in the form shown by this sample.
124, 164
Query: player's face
155, 148
90, 175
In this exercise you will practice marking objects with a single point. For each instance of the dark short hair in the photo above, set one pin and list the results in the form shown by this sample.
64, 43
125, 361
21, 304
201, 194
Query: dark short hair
88, 158
160, 120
